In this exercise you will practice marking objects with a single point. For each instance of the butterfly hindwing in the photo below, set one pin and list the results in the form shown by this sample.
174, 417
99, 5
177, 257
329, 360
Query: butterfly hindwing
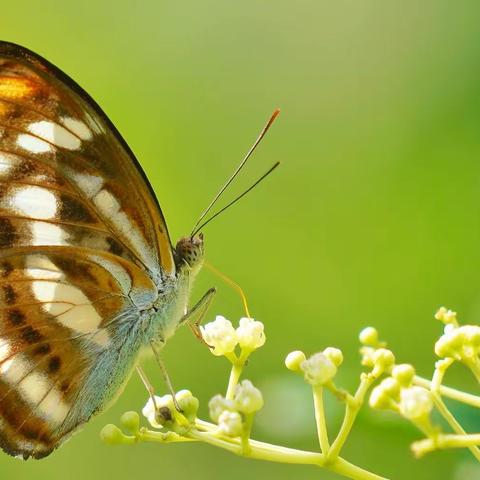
63, 321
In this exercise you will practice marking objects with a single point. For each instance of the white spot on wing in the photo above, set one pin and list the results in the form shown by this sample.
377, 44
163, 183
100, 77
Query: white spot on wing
110, 207
56, 134
47, 234
33, 144
39, 266
106, 203
34, 387
14, 369
6, 164
5, 349
53, 407
78, 128
35, 202
89, 184
81, 316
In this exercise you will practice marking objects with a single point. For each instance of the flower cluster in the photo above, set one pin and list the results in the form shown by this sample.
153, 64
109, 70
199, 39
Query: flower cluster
232, 415
374, 354
460, 343
398, 393
319, 369
223, 338
161, 412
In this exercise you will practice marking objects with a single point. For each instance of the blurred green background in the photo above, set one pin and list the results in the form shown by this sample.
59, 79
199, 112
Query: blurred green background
373, 217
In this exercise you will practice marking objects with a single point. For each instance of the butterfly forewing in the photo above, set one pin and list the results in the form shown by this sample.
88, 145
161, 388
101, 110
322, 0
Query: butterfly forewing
83, 249
48, 120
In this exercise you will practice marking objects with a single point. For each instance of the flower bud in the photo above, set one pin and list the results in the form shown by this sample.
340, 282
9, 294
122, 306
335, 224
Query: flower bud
248, 399
369, 336
472, 335
450, 343
220, 335
415, 402
404, 373
250, 334
294, 360
112, 435
335, 355
230, 423
318, 369
217, 405
131, 421
391, 387
380, 399
383, 359
446, 316
188, 404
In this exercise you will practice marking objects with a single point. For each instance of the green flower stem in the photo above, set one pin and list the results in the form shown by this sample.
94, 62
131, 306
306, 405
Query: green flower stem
247, 430
352, 408
445, 441
448, 392
320, 418
262, 451
238, 363
452, 421
146, 435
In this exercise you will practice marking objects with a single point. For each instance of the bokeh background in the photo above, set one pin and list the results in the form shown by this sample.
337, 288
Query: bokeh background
373, 217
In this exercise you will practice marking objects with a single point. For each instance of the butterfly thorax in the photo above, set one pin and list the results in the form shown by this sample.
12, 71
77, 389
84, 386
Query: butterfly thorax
172, 302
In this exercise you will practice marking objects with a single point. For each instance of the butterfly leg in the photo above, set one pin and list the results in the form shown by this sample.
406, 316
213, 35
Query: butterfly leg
148, 385
163, 370
195, 315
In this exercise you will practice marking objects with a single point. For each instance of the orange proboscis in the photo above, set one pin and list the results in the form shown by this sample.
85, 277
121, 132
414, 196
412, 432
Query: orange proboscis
15, 87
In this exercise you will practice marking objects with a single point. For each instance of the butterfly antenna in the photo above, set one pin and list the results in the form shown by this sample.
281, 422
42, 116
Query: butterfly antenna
237, 170
235, 200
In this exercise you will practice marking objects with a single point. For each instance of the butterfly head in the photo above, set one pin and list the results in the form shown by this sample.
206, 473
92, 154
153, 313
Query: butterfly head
189, 252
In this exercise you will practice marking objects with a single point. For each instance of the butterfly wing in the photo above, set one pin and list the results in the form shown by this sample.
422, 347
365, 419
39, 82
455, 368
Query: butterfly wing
48, 120
83, 251
67, 340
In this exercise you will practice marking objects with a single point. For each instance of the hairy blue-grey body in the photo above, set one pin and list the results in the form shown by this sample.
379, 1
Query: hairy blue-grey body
134, 331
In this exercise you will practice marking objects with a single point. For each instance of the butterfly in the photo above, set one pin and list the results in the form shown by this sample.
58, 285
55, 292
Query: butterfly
88, 274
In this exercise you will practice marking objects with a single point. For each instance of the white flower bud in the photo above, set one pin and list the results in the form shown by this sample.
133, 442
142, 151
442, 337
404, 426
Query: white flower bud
404, 373
391, 387
446, 316
318, 369
230, 423
158, 417
383, 359
250, 334
369, 336
188, 404
415, 402
380, 399
220, 335
217, 405
472, 335
335, 355
294, 360
450, 343
248, 399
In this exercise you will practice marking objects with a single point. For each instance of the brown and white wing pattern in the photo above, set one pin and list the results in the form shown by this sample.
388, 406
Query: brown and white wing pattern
67, 325
84, 250
48, 123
